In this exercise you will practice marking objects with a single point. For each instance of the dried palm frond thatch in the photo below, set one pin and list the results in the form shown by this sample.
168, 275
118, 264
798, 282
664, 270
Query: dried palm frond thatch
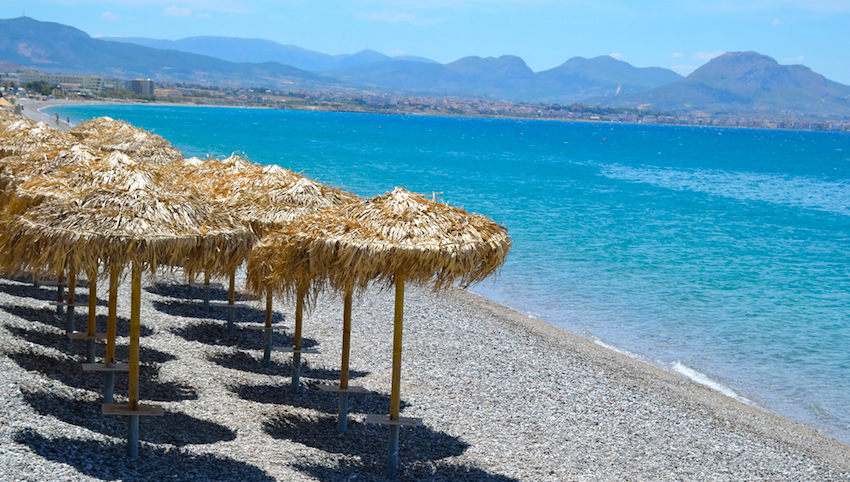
263, 197
8, 116
76, 170
401, 231
112, 135
22, 137
395, 237
139, 222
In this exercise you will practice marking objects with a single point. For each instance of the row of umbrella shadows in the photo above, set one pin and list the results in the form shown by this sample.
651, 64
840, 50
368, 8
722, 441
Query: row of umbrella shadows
108, 195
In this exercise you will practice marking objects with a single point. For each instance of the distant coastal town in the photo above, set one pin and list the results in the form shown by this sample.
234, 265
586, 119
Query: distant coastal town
43, 86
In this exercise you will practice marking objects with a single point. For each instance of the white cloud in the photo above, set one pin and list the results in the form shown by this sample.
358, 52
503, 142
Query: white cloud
708, 55
396, 53
674, 55
617, 55
776, 22
798, 59
111, 16
177, 12
97, 35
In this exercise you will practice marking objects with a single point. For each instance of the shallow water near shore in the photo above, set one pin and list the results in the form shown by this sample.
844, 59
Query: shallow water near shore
720, 254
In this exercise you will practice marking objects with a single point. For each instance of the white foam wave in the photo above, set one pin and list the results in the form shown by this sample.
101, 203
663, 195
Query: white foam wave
681, 369
702, 379
806, 192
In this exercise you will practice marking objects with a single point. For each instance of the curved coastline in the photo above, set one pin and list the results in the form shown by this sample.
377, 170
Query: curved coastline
626, 377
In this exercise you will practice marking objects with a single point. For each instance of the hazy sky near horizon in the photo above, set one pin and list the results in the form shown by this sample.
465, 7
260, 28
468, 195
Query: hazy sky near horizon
675, 34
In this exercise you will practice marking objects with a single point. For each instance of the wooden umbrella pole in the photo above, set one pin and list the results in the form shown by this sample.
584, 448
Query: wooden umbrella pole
296, 352
231, 299
72, 298
342, 422
92, 324
395, 394
267, 333
111, 333
206, 291
60, 292
135, 332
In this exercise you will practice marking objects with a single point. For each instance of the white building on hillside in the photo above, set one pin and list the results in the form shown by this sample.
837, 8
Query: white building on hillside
87, 82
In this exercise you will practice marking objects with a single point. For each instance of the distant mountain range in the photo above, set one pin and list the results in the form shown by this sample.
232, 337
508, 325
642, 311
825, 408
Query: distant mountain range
53, 47
259, 51
745, 82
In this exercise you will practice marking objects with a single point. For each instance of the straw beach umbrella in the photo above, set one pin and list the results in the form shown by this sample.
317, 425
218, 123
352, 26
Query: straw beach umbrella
143, 222
264, 198
395, 238
113, 135
301, 256
38, 149
24, 137
423, 242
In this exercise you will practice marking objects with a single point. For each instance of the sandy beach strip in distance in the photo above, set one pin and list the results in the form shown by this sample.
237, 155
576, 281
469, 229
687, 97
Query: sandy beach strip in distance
503, 398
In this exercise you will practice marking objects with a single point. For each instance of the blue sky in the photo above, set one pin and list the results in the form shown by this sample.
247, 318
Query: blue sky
676, 34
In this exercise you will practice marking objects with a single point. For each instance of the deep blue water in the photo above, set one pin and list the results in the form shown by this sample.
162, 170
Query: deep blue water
720, 254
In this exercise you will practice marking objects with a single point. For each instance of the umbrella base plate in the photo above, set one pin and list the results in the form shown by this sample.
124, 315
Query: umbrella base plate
303, 351
124, 409
264, 328
385, 420
335, 389
100, 367
49, 282
82, 335
202, 285
224, 304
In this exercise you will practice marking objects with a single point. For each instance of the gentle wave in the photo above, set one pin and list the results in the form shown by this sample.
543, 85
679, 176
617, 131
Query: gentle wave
797, 191
702, 379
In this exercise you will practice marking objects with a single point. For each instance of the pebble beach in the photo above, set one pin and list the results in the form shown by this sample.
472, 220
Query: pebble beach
503, 397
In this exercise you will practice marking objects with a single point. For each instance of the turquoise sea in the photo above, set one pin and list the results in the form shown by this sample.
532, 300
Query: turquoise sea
720, 254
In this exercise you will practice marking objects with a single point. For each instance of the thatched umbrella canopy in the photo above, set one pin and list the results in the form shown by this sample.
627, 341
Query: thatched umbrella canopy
113, 135
47, 158
23, 137
397, 237
8, 116
263, 197
18, 170
140, 220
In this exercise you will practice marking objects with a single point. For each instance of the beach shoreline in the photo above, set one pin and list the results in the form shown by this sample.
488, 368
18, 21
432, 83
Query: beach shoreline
503, 396
36, 106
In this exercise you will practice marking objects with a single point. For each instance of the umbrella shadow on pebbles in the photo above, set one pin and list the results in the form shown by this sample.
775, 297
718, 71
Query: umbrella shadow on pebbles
185, 291
53, 337
195, 309
368, 442
69, 372
314, 399
27, 290
216, 334
109, 461
251, 363
47, 316
173, 428
433, 472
